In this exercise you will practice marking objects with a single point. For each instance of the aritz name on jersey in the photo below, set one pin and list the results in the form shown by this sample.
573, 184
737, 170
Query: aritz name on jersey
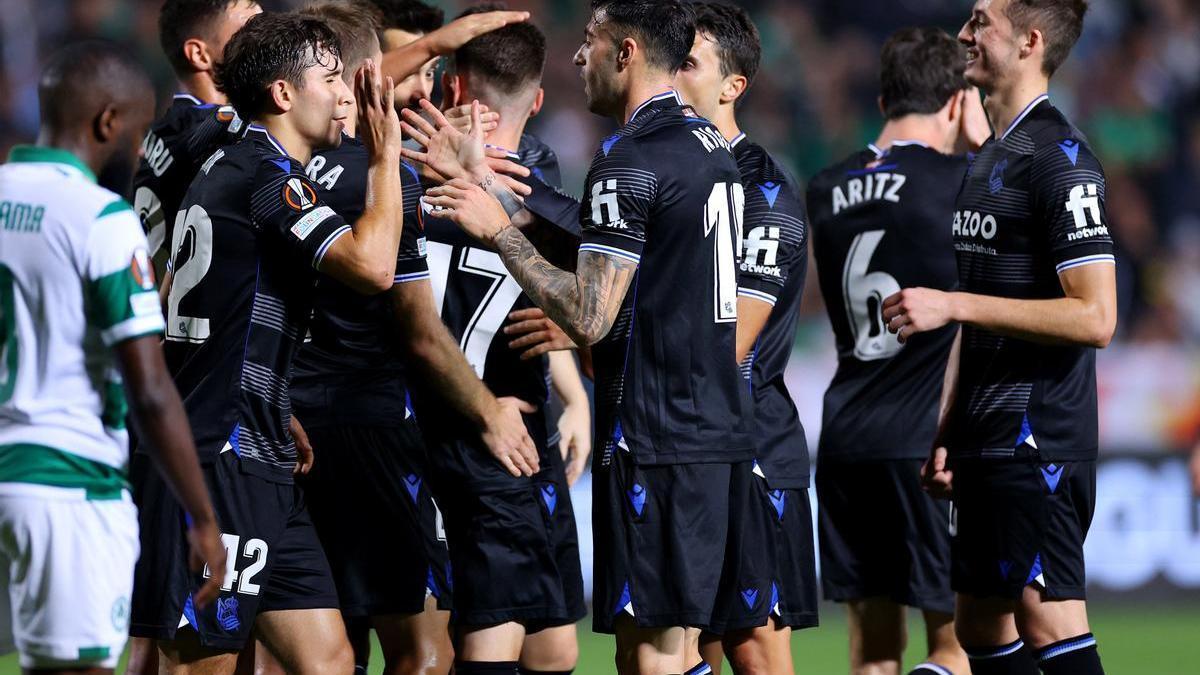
158, 157
1083, 203
869, 187
711, 139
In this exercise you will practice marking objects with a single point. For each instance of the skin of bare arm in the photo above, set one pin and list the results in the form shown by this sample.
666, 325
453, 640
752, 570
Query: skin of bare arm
575, 423
752, 318
937, 479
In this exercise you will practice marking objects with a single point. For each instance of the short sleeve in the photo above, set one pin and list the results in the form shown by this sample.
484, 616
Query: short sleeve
1068, 190
411, 262
122, 299
616, 207
774, 242
285, 203
220, 126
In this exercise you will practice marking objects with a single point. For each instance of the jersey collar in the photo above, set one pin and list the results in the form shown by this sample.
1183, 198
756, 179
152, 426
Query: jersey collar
43, 154
666, 99
1025, 113
183, 96
737, 139
266, 136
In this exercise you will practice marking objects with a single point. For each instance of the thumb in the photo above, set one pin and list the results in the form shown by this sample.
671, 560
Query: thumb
525, 406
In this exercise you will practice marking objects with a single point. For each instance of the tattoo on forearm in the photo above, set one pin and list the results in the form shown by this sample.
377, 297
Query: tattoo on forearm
585, 304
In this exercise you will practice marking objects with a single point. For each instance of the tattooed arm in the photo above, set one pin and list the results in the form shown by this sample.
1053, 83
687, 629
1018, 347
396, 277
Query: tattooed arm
584, 303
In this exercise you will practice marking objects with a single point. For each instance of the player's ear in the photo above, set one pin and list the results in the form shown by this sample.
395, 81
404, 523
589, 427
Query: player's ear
625, 53
735, 86
451, 88
106, 125
1033, 44
538, 100
954, 107
196, 52
281, 95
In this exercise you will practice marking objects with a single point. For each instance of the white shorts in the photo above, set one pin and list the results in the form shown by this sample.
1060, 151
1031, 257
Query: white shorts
66, 575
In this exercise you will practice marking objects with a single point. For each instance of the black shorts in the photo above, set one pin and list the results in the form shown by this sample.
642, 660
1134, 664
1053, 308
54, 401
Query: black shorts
1021, 522
514, 552
374, 511
275, 558
882, 535
776, 575
662, 540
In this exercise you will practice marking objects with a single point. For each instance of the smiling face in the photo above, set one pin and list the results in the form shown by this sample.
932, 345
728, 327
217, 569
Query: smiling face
700, 80
322, 103
597, 61
993, 48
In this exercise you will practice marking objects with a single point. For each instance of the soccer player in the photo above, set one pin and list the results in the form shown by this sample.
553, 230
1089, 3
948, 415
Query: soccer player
662, 204
878, 220
1017, 446
193, 35
775, 584
80, 349
349, 388
507, 528
249, 239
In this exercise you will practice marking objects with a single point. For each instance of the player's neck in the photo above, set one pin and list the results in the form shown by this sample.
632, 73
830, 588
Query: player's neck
294, 144
74, 144
1005, 104
726, 122
642, 89
202, 87
923, 129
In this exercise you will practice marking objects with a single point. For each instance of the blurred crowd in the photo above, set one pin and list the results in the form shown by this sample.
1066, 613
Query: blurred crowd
1132, 85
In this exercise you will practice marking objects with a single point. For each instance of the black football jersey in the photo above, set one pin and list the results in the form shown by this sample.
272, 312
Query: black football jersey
172, 151
540, 159
352, 370
1032, 206
774, 264
247, 243
879, 225
474, 294
664, 192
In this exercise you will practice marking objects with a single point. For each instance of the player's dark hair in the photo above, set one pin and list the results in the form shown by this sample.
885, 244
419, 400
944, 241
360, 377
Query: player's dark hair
509, 58
1060, 21
182, 20
80, 78
920, 69
738, 42
273, 47
356, 24
664, 28
411, 16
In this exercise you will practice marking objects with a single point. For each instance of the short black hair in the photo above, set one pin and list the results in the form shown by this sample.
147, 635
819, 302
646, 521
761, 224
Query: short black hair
920, 69
411, 16
666, 29
1061, 23
272, 47
509, 58
356, 24
81, 77
738, 42
182, 20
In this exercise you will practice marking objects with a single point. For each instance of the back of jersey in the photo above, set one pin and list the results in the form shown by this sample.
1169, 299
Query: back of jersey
880, 223
75, 280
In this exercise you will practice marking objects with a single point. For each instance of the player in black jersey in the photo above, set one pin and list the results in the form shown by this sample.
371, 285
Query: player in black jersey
663, 204
1018, 441
878, 225
248, 242
774, 586
502, 528
193, 35
349, 389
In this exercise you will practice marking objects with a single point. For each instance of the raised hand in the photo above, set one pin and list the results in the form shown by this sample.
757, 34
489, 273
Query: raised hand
459, 32
378, 126
451, 154
460, 117
936, 478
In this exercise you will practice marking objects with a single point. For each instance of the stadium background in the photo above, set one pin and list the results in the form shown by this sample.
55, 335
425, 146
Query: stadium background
1132, 85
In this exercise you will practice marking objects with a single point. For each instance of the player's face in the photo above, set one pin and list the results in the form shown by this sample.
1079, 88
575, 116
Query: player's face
236, 15
417, 86
133, 118
597, 62
323, 103
700, 80
992, 46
